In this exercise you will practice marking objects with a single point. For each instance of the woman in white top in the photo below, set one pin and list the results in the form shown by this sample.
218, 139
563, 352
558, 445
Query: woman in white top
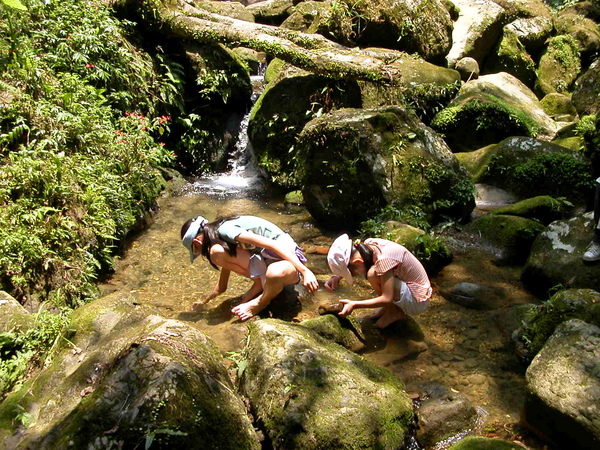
252, 247
395, 274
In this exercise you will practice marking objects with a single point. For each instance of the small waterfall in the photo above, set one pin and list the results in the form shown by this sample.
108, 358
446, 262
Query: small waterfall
243, 175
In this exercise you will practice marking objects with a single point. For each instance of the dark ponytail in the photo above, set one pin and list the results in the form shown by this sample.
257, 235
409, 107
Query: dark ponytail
366, 253
211, 237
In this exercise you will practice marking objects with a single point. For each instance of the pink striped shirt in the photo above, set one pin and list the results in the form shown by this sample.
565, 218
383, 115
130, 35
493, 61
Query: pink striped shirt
389, 255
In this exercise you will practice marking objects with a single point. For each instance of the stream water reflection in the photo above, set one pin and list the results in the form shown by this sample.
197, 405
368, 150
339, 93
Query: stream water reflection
462, 349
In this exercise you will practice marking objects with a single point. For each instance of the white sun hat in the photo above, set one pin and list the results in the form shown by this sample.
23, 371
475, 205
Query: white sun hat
338, 257
193, 231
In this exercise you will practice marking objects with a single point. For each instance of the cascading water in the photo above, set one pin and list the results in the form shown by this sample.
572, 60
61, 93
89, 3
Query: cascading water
243, 176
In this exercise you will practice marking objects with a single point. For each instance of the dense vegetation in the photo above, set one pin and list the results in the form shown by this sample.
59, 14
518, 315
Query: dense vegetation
84, 117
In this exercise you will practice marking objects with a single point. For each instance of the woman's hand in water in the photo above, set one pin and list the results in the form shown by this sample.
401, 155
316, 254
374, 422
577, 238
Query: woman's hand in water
332, 284
310, 281
348, 307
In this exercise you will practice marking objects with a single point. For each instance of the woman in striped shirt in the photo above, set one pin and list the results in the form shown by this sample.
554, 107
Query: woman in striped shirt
399, 279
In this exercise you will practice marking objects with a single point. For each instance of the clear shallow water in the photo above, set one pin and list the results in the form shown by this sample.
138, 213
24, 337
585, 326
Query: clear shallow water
462, 349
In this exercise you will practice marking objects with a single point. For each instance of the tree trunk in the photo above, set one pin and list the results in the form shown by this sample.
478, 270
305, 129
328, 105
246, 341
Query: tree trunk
311, 52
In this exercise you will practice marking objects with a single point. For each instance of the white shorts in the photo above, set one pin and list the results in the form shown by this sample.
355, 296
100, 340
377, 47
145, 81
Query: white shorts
404, 299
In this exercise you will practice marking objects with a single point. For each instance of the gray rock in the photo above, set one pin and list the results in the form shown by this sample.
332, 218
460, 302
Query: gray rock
564, 381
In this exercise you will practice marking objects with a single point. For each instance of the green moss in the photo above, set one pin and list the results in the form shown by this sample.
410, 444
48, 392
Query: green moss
482, 443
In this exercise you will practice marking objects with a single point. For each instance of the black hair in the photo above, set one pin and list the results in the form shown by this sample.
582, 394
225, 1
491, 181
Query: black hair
366, 253
211, 237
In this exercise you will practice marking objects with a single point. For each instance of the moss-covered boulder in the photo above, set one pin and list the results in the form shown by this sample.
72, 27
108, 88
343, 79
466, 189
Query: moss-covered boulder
490, 109
271, 12
543, 208
476, 30
586, 93
287, 103
308, 16
556, 257
509, 237
540, 322
528, 167
532, 31
564, 384
559, 107
331, 327
484, 443
129, 378
572, 21
559, 66
308, 392
293, 97
511, 56
353, 162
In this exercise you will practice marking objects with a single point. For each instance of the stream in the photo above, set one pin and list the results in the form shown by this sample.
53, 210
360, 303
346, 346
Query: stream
467, 351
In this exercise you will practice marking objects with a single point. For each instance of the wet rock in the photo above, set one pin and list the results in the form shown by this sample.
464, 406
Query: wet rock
443, 414
556, 257
564, 381
302, 387
474, 296
129, 376
330, 327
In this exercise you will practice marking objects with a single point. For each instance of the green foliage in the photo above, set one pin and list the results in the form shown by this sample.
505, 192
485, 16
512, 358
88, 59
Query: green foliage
76, 173
411, 215
589, 129
24, 349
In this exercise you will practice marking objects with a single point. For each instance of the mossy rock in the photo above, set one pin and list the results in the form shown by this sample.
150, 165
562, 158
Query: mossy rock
234, 10
330, 327
353, 162
542, 320
510, 56
490, 109
308, 17
140, 376
559, 66
532, 30
430, 250
483, 443
294, 198
586, 93
12, 314
302, 387
556, 257
544, 209
509, 237
529, 167
572, 21
559, 106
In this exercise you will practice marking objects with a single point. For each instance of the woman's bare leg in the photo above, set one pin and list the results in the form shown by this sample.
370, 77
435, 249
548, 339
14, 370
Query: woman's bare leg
279, 274
256, 289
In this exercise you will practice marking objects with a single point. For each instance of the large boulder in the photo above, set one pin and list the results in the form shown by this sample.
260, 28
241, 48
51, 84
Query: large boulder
559, 66
564, 384
311, 393
556, 257
543, 208
293, 97
476, 30
532, 32
511, 56
586, 93
508, 237
12, 314
528, 167
353, 162
572, 21
490, 109
126, 378
540, 321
